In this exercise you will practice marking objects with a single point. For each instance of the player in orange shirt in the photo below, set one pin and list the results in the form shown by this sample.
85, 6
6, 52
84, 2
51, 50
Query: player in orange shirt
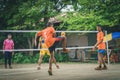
42, 45
49, 36
101, 49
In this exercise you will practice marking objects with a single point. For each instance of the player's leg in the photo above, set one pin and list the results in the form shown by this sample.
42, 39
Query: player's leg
55, 62
64, 42
103, 62
5, 58
40, 59
9, 59
52, 49
63, 39
99, 61
50, 62
102, 52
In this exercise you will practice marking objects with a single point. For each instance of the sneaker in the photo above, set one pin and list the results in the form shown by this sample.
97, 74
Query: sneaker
104, 68
50, 72
98, 68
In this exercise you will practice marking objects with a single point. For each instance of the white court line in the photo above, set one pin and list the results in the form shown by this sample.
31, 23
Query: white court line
26, 31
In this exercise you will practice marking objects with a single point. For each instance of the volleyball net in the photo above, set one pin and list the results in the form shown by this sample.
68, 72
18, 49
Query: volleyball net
24, 39
80, 43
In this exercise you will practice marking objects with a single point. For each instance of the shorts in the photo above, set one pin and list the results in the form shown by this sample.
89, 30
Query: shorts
52, 48
43, 52
101, 51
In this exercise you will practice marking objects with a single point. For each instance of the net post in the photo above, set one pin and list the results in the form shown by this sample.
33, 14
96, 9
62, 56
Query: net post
107, 48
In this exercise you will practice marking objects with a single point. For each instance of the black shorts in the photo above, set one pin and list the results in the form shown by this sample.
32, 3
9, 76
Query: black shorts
52, 48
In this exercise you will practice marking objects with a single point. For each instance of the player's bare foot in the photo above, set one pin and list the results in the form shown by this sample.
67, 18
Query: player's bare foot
50, 72
98, 68
38, 68
65, 50
57, 66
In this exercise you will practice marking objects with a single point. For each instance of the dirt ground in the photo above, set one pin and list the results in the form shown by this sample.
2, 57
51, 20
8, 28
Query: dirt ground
67, 71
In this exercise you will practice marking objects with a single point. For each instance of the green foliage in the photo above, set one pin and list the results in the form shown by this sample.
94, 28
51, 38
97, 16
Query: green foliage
63, 57
82, 21
26, 58
19, 58
108, 9
28, 15
1, 58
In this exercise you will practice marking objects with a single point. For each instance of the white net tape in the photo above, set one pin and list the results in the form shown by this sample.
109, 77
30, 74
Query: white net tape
87, 47
26, 31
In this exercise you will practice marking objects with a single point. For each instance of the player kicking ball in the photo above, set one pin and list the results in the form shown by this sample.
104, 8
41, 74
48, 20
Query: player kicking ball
43, 46
51, 41
101, 49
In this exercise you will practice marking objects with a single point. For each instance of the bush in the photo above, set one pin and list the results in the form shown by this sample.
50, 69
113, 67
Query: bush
1, 58
26, 58
63, 57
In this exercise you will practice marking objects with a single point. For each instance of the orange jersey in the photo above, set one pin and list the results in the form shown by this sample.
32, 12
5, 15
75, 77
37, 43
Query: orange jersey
47, 34
100, 36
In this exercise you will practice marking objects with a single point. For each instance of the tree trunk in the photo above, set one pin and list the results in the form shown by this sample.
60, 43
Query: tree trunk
31, 44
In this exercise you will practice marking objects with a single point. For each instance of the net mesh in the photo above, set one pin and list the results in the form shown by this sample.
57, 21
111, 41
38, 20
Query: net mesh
79, 43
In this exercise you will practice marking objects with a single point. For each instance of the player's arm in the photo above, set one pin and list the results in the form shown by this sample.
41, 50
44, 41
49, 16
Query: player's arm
54, 34
3, 46
98, 43
36, 35
13, 49
40, 44
101, 40
35, 39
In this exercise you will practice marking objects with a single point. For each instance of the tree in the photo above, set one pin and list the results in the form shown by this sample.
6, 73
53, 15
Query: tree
108, 9
26, 14
81, 21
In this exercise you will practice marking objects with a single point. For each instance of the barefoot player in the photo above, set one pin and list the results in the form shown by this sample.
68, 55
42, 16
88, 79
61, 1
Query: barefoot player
51, 41
43, 46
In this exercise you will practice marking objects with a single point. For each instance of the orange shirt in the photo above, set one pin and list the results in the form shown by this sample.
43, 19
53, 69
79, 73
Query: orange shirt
100, 36
47, 34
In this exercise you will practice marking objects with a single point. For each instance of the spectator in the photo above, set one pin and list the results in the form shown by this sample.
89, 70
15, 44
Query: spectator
114, 57
8, 46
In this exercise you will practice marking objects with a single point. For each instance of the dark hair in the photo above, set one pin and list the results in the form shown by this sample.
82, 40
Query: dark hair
98, 25
49, 24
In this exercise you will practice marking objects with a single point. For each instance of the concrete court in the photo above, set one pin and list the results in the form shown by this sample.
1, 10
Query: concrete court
67, 71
